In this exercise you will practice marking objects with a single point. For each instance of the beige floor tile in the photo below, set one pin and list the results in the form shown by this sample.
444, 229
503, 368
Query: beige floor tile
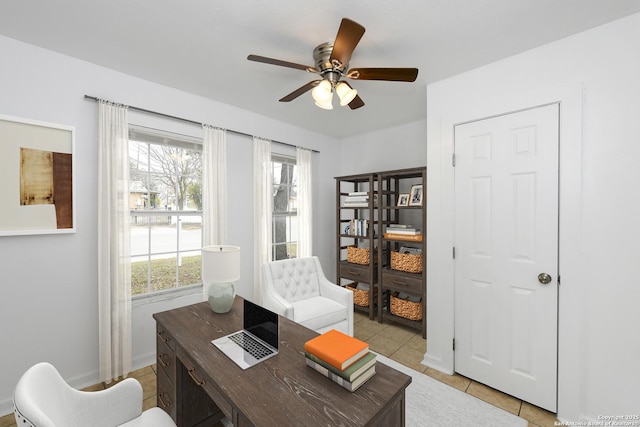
418, 343
398, 334
95, 387
8, 421
537, 416
455, 380
382, 345
495, 397
409, 357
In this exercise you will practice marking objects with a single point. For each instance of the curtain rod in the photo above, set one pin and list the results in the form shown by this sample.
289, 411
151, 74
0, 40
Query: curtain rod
93, 98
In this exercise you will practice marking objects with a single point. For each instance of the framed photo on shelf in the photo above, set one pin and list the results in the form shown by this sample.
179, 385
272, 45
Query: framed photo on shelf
403, 199
415, 195
37, 195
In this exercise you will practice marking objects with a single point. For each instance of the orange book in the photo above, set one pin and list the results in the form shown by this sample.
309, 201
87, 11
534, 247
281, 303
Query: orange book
337, 349
409, 237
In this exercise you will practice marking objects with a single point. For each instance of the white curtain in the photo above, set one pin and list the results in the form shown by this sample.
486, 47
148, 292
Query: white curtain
263, 202
114, 264
214, 189
303, 163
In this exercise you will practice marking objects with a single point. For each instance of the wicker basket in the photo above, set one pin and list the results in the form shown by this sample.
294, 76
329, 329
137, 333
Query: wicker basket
403, 308
359, 255
361, 296
411, 263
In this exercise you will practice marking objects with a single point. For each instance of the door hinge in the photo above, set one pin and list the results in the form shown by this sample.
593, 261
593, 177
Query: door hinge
454, 252
454, 344
453, 160
558, 280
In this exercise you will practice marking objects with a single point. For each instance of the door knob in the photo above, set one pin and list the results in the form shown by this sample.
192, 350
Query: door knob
544, 278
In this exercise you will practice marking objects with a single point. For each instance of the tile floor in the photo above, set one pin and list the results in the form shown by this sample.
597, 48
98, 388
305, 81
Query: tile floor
399, 343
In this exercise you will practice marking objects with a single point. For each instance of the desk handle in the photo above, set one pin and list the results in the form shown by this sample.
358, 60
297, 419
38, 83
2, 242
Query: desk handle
162, 362
193, 377
400, 282
163, 338
162, 402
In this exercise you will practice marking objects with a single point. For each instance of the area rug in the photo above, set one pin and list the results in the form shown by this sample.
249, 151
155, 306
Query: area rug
432, 403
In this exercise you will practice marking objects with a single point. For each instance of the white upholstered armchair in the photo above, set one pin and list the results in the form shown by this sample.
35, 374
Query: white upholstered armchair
298, 289
43, 399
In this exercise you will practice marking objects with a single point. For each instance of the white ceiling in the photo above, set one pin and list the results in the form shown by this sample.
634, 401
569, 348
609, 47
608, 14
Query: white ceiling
201, 46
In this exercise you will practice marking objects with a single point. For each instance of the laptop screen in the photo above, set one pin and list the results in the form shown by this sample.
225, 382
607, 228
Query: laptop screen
261, 322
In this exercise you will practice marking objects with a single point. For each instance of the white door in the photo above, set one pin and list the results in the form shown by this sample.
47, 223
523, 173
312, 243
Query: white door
506, 253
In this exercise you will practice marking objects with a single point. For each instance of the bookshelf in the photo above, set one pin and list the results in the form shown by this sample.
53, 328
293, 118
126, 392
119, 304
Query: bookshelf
356, 209
395, 295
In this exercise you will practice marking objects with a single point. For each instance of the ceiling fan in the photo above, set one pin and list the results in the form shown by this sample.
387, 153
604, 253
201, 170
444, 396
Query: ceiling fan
332, 65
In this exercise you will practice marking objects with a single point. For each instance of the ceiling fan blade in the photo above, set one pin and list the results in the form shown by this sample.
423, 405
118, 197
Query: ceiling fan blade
281, 63
356, 103
296, 93
349, 34
390, 74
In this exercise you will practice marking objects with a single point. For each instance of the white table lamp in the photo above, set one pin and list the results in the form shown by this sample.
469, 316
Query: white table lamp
220, 268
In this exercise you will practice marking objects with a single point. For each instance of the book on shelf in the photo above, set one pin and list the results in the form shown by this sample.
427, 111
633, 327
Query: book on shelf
349, 385
358, 193
337, 348
399, 226
409, 231
349, 374
407, 237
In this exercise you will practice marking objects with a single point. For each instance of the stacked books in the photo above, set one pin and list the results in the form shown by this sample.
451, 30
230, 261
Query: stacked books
358, 199
403, 232
345, 360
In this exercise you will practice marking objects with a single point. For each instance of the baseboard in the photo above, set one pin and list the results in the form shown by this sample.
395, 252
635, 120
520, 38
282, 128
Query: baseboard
435, 364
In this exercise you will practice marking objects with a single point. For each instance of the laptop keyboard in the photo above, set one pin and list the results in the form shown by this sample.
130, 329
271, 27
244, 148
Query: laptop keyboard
255, 348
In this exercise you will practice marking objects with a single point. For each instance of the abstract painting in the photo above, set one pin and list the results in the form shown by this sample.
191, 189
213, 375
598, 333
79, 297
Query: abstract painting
36, 172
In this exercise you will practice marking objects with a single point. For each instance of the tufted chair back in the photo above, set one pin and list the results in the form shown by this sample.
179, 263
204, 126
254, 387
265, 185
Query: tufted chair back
295, 279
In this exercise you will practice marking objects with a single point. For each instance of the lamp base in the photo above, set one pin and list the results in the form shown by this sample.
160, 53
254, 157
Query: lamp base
221, 296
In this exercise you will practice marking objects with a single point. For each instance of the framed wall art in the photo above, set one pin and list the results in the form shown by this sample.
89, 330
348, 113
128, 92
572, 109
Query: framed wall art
37, 185
415, 195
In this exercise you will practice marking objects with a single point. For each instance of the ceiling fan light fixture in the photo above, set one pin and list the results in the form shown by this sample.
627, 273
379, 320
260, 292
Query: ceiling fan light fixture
345, 93
326, 105
323, 92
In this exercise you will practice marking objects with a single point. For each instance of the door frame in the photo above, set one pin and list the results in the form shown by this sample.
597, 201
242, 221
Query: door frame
440, 223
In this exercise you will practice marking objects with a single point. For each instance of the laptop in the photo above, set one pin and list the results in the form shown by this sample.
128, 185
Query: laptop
256, 342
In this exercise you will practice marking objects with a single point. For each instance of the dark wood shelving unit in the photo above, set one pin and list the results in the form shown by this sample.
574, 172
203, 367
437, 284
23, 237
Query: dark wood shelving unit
381, 210
350, 273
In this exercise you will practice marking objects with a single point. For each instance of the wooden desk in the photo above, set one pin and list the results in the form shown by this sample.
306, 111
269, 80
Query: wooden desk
197, 384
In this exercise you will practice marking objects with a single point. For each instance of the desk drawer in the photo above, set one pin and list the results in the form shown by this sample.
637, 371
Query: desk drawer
199, 379
165, 337
402, 282
166, 359
166, 398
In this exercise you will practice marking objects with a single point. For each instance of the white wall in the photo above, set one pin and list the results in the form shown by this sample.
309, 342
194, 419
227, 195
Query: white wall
48, 291
393, 148
595, 76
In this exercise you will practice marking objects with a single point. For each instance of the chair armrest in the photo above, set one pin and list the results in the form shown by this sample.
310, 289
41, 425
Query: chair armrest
336, 293
116, 405
270, 298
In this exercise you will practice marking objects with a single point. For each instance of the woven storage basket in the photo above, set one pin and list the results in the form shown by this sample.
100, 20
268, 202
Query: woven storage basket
361, 296
359, 255
411, 263
407, 309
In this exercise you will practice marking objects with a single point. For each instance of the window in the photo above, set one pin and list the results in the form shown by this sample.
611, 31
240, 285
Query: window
165, 197
285, 219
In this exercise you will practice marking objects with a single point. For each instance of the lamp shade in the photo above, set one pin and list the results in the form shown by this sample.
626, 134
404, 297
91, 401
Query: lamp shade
345, 93
220, 264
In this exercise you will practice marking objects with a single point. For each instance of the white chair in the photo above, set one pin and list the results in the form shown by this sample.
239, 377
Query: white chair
298, 289
43, 399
